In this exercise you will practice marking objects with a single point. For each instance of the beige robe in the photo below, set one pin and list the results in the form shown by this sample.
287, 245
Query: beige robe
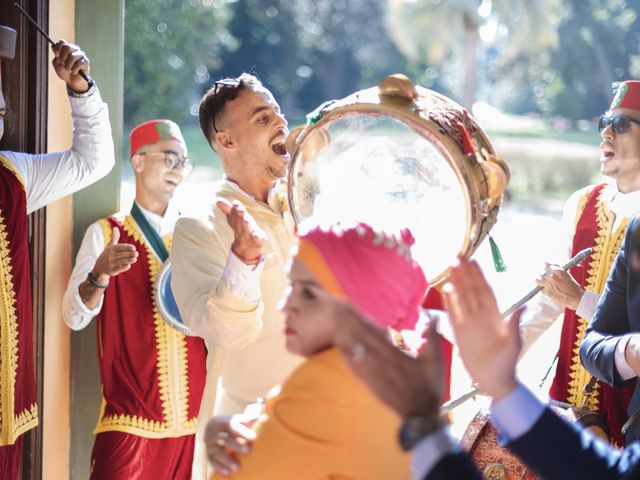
245, 340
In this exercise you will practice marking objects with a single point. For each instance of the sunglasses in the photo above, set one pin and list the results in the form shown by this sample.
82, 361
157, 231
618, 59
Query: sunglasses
172, 160
619, 124
228, 89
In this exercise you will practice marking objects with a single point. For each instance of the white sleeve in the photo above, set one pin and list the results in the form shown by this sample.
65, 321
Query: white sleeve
210, 307
75, 313
51, 176
587, 306
624, 369
241, 279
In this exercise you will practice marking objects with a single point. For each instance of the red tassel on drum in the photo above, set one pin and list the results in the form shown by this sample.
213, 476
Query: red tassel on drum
467, 143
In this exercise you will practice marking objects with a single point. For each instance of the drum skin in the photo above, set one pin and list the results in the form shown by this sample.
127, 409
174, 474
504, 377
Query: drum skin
481, 175
498, 463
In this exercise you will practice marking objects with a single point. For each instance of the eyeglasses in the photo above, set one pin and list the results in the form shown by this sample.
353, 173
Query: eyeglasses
172, 160
619, 124
228, 88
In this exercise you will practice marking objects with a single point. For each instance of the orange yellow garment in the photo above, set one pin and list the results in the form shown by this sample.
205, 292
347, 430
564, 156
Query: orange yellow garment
325, 424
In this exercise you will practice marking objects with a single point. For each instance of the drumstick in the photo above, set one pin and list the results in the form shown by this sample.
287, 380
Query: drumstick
456, 402
576, 260
570, 264
87, 78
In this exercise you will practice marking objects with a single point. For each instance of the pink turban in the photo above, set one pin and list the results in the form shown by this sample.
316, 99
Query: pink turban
372, 269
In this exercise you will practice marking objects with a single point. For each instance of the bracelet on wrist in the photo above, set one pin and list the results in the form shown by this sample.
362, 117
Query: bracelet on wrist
248, 261
94, 281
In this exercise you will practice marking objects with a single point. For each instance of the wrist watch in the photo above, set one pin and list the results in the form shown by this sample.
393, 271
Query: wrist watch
416, 427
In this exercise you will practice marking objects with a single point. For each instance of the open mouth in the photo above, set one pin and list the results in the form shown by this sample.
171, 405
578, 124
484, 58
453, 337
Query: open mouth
173, 183
279, 147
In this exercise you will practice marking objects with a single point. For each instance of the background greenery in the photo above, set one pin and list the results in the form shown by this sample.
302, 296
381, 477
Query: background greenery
550, 60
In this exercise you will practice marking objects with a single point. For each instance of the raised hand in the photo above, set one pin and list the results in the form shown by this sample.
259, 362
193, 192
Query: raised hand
225, 437
560, 286
489, 344
114, 259
67, 62
249, 238
410, 386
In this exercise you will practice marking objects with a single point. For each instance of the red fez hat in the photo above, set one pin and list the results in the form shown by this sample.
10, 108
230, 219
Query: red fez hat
626, 95
154, 131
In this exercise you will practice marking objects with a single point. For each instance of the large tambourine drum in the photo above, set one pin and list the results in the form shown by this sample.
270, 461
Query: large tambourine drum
399, 155
166, 302
498, 463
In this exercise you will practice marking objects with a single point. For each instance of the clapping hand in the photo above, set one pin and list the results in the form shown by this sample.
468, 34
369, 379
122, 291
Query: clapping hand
489, 344
248, 236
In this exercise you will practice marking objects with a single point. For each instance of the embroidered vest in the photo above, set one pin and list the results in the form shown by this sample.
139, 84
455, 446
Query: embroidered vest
594, 228
18, 408
152, 375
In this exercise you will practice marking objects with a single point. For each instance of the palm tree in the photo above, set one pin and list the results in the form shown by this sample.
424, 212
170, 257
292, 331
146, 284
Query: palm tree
437, 31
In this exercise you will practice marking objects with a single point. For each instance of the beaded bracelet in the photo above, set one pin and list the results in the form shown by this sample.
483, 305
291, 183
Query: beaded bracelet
94, 281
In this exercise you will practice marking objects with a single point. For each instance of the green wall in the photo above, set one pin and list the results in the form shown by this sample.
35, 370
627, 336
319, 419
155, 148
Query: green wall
100, 33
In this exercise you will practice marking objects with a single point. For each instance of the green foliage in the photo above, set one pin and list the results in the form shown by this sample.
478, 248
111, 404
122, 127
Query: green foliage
169, 47
599, 43
553, 57
311, 51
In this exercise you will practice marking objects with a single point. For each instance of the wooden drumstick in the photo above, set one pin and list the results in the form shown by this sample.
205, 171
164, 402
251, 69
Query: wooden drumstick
87, 78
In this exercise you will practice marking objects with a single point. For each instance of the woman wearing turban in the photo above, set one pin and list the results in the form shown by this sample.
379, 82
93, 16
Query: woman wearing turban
323, 423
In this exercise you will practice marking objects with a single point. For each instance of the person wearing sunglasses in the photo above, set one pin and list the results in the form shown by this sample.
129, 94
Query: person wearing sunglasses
594, 217
229, 269
152, 375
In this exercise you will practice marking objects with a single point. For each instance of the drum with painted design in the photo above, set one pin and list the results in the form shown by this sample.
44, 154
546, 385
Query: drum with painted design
399, 155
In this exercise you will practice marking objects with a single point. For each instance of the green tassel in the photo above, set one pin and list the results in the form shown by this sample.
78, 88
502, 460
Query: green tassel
498, 262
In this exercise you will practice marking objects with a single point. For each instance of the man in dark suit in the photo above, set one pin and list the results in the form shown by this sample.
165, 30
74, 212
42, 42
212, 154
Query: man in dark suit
611, 347
489, 346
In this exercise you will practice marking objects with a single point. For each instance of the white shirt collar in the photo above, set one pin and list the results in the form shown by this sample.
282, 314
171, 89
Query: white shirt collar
271, 196
163, 224
621, 204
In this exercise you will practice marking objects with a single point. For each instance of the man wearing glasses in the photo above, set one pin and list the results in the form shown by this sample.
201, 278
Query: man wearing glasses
229, 270
152, 375
597, 217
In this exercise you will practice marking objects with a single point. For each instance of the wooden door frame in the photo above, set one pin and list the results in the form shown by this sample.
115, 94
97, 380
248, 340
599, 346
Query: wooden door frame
25, 89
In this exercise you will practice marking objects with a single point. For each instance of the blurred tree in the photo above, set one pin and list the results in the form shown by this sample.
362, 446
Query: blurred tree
599, 44
309, 51
169, 47
445, 31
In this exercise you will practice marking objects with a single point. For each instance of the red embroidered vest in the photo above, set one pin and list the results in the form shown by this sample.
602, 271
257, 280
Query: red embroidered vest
594, 228
18, 408
152, 375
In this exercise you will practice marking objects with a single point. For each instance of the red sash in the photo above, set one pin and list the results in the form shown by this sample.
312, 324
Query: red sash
18, 408
152, 375
593, 229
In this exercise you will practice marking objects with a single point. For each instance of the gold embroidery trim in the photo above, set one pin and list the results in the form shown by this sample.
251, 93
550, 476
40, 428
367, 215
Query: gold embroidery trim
171, 347
5, 161
604, 252
11, 425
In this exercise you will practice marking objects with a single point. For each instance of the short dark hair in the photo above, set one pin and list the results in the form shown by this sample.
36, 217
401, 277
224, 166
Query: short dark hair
216, 98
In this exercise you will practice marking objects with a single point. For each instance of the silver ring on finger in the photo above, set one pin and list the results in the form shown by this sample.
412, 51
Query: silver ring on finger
358, 351
221, 439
